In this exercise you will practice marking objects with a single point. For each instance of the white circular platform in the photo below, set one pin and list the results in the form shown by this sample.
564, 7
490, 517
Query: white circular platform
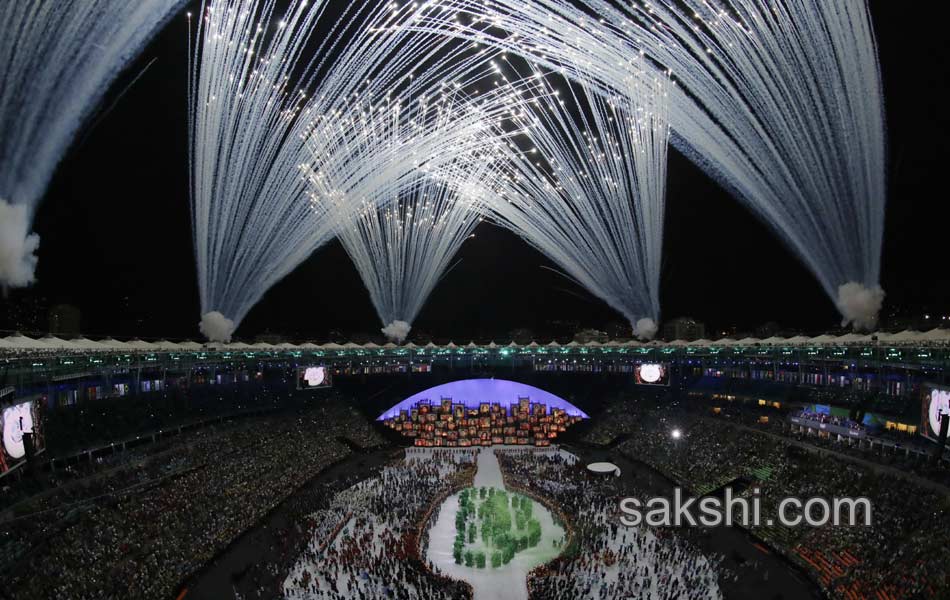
604, 468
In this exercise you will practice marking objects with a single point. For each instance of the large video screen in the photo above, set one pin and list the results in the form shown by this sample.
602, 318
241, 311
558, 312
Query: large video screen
15, 420
652, 374
934, 404
314, 377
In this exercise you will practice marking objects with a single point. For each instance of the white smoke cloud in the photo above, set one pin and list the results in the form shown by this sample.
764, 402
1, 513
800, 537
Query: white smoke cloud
17, 246
645, 328
859, 305
216, 327
397, 331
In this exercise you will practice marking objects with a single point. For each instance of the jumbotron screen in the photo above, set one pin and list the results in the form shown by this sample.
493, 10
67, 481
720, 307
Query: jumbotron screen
15, 420
314, 377
934, 404
652, 374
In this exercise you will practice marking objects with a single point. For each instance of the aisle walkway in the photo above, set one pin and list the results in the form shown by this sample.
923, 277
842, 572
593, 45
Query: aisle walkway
489, 471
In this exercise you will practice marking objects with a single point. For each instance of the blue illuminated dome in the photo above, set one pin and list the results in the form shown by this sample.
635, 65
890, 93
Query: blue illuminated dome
472, 392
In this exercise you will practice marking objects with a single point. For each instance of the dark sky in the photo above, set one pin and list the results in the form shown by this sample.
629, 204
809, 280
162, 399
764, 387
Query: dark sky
116, 238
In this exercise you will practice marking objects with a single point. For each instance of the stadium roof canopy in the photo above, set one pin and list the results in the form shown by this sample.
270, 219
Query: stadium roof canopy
19, 343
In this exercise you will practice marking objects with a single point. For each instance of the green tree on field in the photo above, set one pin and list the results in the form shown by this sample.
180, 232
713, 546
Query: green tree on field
508, 552
534, 532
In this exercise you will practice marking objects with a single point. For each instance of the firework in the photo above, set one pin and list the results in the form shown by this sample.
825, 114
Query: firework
780, 102
57, 59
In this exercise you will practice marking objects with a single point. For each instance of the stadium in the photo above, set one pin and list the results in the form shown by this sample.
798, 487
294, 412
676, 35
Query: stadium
315, 299
246, 472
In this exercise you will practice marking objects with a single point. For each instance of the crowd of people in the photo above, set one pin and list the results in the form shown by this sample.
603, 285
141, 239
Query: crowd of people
897, 451
651, 435
114, 467
890, 448
606, 559
829, 419
897, 555
140, 522
849, 397
88, 424
140, 530
364, 543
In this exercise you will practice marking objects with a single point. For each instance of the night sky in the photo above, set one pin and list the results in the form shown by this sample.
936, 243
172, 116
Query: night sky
116, 234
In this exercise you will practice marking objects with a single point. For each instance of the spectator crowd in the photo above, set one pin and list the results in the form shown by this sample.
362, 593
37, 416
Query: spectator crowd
139, 528
897, 556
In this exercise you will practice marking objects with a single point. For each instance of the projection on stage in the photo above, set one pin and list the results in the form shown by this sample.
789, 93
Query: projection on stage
482, 412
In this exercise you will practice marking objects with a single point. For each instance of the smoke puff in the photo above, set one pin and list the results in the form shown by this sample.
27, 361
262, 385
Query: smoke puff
216, 327
645, 328
17, 246
397, 331
859, 305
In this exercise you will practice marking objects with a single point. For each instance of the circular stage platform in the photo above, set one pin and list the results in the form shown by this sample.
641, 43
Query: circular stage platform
604, 468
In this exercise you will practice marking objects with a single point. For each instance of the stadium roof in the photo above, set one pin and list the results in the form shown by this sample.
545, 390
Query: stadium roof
21, 343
